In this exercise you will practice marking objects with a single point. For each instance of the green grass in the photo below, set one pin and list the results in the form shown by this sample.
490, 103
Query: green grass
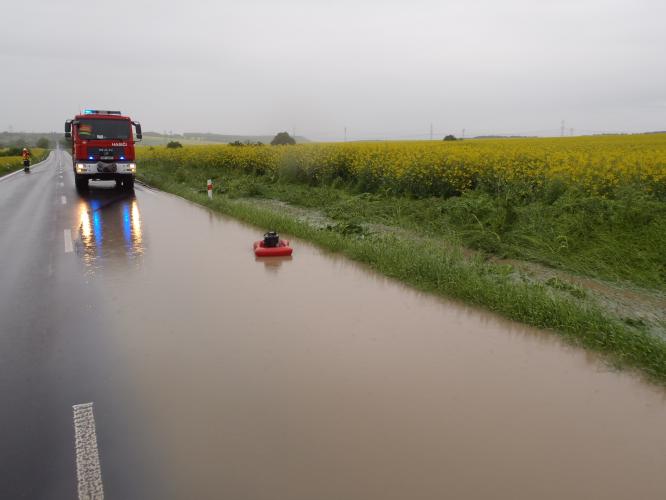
428, 249
619, 238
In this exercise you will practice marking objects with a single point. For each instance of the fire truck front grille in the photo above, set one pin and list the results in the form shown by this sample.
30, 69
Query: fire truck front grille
106, 167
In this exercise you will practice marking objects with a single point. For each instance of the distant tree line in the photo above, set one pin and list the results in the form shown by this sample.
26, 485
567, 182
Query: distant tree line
246, 143
28, 139
11, 151
14, 147
280, 139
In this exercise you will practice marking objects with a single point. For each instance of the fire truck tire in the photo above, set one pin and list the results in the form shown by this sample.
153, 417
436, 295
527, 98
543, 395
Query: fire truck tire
81, 182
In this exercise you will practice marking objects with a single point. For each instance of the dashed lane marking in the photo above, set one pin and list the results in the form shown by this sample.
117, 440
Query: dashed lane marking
63, 200
88, 470
69, 248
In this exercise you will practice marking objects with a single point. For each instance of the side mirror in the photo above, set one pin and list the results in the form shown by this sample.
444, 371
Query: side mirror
68, 129
139, 136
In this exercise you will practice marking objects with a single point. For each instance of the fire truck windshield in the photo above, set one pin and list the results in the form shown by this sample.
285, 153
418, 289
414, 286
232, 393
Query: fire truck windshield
104, 129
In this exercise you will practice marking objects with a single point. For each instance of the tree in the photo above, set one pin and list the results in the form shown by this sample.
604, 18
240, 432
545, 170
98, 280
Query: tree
450, 137
174, 145
239, 144
283, 139
43, 143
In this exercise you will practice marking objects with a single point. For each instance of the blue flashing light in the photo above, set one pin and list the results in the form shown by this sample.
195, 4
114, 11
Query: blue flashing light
90, 157
122, 157
100, 112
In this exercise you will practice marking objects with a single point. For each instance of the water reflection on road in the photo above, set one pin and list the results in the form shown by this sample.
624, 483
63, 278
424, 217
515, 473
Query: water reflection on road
109, 227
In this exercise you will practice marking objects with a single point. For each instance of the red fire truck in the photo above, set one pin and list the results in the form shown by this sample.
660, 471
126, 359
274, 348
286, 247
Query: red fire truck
103, 147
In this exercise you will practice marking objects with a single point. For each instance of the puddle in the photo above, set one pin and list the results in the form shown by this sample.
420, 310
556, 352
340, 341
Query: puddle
311, 378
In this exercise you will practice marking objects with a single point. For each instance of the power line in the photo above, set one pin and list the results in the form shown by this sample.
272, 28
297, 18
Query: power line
562, 131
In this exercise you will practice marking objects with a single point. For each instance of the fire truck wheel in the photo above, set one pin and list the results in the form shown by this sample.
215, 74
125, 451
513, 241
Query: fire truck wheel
81, 182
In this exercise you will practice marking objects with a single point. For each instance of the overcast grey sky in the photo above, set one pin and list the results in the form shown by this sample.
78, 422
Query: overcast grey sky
381, 68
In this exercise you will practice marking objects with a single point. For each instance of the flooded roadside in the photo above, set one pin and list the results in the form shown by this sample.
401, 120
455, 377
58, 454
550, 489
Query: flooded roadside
313, 378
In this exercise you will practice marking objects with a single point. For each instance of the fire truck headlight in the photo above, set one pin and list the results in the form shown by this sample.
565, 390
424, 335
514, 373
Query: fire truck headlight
80, 168
132, 167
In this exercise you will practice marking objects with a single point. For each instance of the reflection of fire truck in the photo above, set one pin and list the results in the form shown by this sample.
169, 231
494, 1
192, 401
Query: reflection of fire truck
109, 227
103, 147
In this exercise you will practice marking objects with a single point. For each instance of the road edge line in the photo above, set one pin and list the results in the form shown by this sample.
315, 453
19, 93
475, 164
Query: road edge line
12, 174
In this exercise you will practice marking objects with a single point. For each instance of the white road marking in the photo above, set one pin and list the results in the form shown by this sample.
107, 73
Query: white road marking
69, 248
88, 470
63, 200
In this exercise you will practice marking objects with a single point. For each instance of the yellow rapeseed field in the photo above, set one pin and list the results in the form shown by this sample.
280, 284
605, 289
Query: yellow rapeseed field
598, 164
11, 163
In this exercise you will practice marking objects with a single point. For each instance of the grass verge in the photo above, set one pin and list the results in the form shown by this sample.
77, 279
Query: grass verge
9, 164
415, 255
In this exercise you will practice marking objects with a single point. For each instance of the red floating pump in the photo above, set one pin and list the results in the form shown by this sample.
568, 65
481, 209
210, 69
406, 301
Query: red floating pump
272, 246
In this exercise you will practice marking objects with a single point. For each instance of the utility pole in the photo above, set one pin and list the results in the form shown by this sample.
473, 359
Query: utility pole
345, 134
562, 129
431, 131
463, 134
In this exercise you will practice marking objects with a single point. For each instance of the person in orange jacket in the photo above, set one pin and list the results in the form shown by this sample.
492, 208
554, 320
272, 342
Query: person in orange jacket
26, 154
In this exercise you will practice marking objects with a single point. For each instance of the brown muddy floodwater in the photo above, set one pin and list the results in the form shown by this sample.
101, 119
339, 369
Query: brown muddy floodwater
312, 378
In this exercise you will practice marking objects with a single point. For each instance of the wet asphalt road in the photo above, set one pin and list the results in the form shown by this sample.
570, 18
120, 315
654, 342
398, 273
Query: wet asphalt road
215, 375
52, 349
